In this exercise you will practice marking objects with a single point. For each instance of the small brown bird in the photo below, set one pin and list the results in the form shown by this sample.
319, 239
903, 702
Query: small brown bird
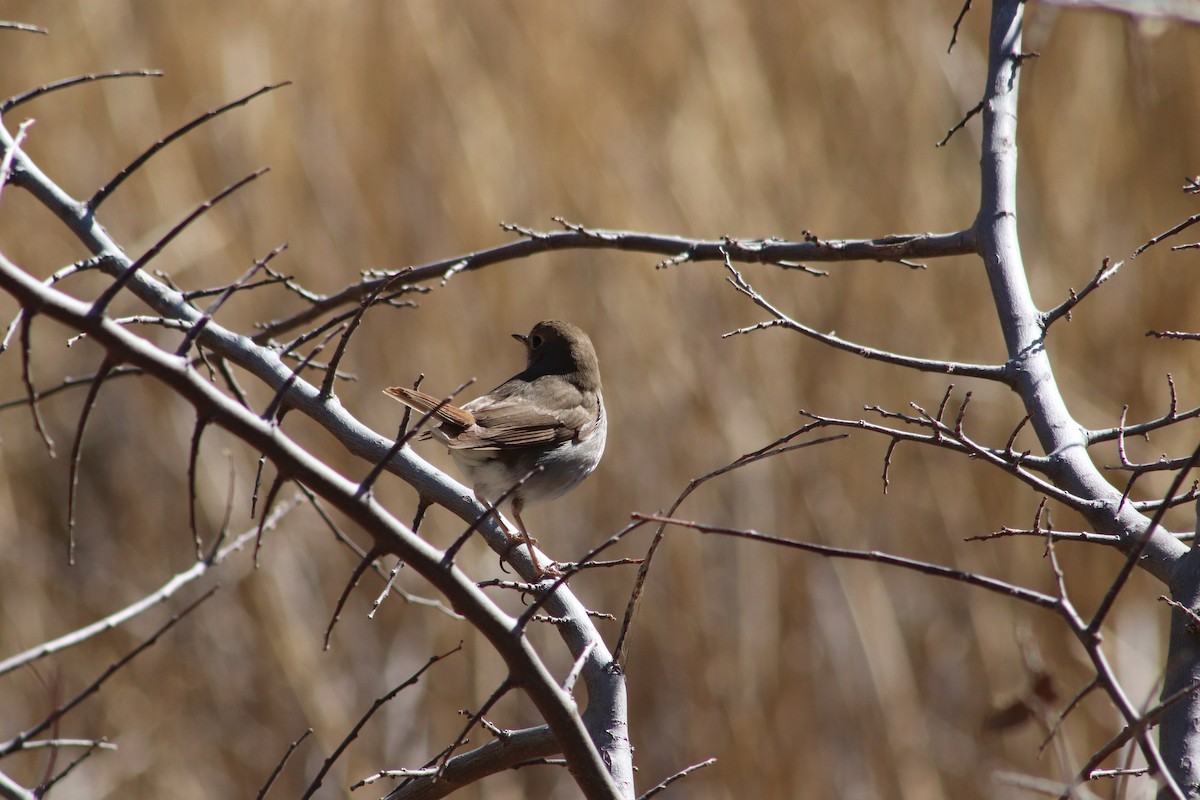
550, 416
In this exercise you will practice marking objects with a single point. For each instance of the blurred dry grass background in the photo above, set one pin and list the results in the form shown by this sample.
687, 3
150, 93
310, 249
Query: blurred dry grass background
411, 130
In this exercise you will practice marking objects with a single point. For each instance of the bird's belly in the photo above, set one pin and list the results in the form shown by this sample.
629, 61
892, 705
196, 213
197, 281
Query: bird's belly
492, 473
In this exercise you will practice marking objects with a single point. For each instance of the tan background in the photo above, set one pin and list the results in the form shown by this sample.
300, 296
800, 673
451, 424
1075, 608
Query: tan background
412, 129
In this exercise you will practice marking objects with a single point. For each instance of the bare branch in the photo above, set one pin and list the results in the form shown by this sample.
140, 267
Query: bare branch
17, 743
27, 379
1034, 380
276, 485
1138, 547
193, 458
1122, 430
998, 373
1185, 336
958, 21
984, 582
164, 592
1187, 223
108, 188
363, 565
1135, 728
1058, 536
777, 447
940, 435
1091, 686
198, 326
92, 748
77, 451
282, 762
379, 703
1192, 615
472, 720
66, 83
683, 773
11, 790
108, 294
962, 123
557, 709
345, 540
1073, 299
6, 165
677, 249
502, 753
22, 26
344, 342
577, 669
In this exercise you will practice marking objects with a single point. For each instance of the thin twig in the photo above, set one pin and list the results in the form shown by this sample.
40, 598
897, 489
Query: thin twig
23, 26
7, 162
406, 434
198, 326
101, 303
1074, 298
164, 592
108, 188
193, 459
675, 249
331, 374
27, 379
364, 563
277, 399
92, 748
683, 773
993, 372
472, 720
77, 451
1138, 547
1187, 223
379, 703
18, 742
266, 787
25, 97
958, 21
982, 581
962, 123
781, 445
276, 485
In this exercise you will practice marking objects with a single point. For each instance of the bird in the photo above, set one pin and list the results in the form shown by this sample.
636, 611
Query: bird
534, 437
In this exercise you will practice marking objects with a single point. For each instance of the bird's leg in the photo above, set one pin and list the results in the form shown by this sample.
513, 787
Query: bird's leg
513, 541
530, 542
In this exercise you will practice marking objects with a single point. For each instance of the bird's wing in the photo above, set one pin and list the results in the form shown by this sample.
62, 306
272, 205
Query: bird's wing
512, 423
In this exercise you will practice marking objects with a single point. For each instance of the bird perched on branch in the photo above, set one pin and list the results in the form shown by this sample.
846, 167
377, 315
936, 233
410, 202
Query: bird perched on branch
535, 436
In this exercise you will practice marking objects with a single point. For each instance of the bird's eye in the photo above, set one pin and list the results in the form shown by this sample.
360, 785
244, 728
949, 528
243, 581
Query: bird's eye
535, 341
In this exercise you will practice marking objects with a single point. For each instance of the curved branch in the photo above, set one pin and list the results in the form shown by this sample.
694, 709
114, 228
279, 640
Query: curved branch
1030, 596
108, 188
1062, 438
66, 83
676, 249
129, 612
992, 372
605, 717
555, 705
509, 750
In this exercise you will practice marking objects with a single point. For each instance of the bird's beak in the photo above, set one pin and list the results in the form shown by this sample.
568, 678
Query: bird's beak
521, 337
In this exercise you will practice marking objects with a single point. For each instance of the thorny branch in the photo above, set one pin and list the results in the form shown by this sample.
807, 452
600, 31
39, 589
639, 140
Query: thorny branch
551, 701
1065, 474
221, 347
676, 250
